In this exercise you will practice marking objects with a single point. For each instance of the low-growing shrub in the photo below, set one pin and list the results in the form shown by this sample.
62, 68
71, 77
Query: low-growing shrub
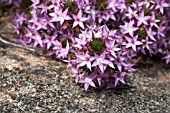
97, 38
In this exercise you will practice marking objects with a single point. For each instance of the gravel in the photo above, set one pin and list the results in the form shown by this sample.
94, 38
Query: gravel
37, 83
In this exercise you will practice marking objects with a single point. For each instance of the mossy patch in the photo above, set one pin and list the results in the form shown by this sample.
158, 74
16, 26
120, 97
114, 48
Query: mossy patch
96, 45
101, 4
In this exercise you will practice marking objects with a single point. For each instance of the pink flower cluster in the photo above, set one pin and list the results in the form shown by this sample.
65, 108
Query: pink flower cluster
97, 38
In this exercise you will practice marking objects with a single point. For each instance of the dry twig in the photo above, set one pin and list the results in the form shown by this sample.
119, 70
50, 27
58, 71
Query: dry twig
6, 41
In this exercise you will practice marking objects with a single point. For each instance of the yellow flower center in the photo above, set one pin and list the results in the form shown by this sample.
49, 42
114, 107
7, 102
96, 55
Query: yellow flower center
87, 79
99, 60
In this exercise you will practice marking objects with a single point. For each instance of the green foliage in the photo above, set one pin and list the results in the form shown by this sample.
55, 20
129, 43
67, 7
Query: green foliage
168, 47
129, 1
64, 43
5, 4
96, 45
158, 17
141, 32
87, 70
70, 5
25, 6
5, 9
146, 10
101, 4
167, 34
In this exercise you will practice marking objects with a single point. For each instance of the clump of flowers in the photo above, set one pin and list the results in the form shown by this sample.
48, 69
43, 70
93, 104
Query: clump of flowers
97, 38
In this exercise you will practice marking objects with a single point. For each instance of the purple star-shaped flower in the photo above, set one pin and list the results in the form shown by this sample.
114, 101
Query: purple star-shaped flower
79, 19
37, 39
151, 33
80, 42
132, 42
119, 77
20, 18
88, 81
57, 46
41, 24
160, 31
109, 14
44, 8
154, 21
85, 60
17, 28
63, 51
121, 5
120, 62
102, 62
129, 68
146, 44
142, 19
77, 74
111, 5
160, 4
49, 40
35, 2
129, 28
59, 16
167, 58
148, 3
55, 4
111, 47
131, 13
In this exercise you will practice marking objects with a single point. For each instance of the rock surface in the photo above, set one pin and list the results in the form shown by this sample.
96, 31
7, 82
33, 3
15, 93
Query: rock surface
34, 83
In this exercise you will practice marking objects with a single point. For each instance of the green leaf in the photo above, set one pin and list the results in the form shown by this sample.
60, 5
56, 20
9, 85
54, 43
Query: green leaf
64, 43
70, 5
101, 4
168, 47
146, 10
129, 1
25, 5
167, 34
96, 45
158, 17
141, 32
